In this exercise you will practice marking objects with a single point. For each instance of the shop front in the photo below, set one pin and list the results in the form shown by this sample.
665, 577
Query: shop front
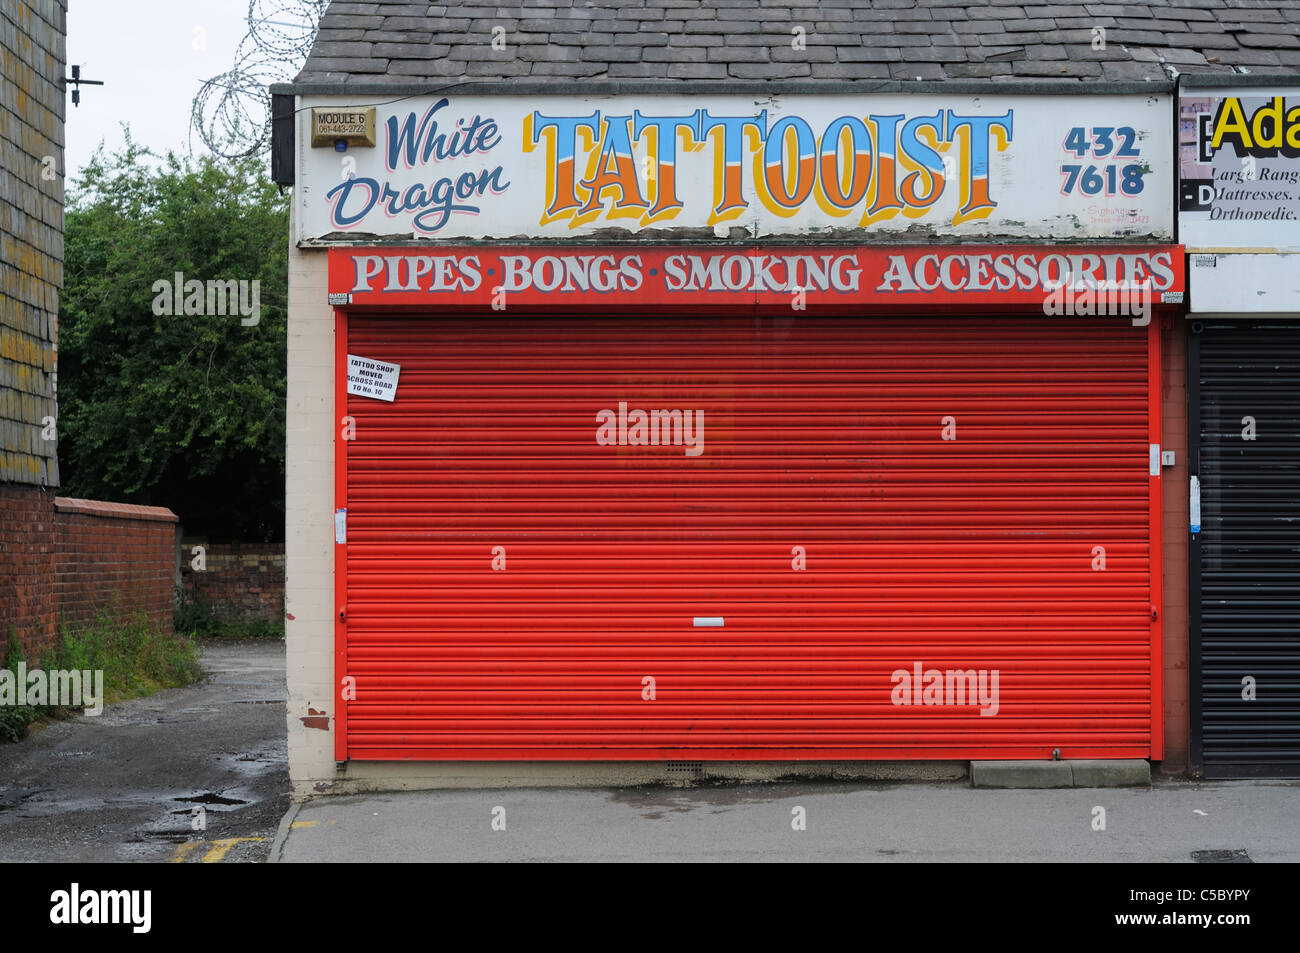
762, 503
715, 429
1239, 214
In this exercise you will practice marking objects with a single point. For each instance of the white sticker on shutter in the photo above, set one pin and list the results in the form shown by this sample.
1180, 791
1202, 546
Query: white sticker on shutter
371, 378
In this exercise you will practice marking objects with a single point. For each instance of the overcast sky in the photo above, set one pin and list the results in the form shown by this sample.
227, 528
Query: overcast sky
153, 56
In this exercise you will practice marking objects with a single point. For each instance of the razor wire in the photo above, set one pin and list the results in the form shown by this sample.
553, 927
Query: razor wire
232, 111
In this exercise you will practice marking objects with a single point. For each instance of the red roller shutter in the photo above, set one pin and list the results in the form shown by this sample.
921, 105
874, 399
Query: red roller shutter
822, 436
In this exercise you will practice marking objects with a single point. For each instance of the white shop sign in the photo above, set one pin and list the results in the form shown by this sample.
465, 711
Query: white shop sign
1239, 168
832, 167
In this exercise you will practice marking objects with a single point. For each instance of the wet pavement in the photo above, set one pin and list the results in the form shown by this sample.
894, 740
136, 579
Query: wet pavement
186, 775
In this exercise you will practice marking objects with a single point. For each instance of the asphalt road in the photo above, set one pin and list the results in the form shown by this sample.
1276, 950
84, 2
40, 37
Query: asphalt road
1173, 821
124, 786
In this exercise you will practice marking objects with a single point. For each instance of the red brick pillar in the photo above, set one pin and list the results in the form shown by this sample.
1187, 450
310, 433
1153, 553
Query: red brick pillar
28, 541
1174, 402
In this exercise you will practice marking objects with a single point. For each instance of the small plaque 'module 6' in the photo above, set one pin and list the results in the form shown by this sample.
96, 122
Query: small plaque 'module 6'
356, 127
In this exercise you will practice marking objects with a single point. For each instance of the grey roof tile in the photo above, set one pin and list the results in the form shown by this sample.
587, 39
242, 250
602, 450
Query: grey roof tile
1256, 16
333, 35
1055, 69
863, 54
1130, 37
1205, 42
995, 13
696, 71
1128, 71
1004, 54
404, 40
768, 70
1253, 58
1274, 41
541, 53
486, 68
1143, 55
612, 54
978, 70
410, 51
1182, 57
920, 27
1008, 39
813, 54
1085, 23
907, 71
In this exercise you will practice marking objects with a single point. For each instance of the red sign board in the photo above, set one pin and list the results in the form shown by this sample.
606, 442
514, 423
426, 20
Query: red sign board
1073, 280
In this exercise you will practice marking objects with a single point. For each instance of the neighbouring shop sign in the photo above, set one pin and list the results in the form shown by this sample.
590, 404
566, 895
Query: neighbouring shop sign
828, 167
1239, 152
1076, 282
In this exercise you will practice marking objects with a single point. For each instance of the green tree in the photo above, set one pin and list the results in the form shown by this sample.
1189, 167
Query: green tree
184, 411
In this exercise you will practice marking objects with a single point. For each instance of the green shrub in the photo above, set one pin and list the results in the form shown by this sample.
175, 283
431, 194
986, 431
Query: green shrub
14, 719
136, 656
194, 617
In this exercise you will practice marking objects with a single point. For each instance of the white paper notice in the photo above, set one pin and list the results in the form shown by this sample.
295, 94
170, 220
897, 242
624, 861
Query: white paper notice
368, 378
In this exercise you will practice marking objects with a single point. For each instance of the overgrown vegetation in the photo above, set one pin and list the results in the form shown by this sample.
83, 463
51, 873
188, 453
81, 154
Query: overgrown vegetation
200, 618
14, 719
136, 656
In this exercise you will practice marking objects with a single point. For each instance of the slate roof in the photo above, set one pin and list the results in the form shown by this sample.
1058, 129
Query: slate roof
390, 42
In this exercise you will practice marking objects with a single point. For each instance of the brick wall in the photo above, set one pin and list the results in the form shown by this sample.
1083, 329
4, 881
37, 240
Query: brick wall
241, 581
28, 545
32, 34
1175, 532
110, 552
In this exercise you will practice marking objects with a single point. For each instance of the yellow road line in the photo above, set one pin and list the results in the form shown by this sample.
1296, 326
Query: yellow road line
220, 848
183, 850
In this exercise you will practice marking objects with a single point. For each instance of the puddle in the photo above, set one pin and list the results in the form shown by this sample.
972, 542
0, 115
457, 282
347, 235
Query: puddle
210, 798
1221, 857
259, 761
150, 837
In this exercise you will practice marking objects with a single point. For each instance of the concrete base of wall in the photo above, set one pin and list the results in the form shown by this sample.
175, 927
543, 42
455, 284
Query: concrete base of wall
1060, 774
363, 777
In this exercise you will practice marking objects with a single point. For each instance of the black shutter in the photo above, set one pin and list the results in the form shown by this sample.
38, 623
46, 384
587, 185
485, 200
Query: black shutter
1245, 562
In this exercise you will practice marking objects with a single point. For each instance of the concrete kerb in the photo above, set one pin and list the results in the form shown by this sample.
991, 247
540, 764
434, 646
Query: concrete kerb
1124, 773
282, 832
1061, 774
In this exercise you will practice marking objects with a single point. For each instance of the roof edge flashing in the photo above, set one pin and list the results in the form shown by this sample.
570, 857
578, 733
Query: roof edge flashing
1055, 87
1229, 80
